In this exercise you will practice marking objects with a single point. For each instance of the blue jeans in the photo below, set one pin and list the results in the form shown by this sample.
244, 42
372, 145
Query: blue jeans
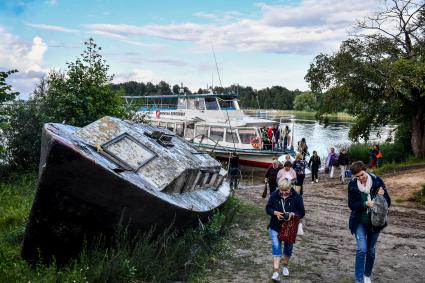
366, 242
277, 245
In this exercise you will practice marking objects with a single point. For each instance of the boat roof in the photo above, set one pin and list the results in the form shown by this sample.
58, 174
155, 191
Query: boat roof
186, 96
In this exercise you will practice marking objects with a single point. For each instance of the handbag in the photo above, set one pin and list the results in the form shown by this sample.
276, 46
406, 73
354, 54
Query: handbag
288, 230
300, 230
264, 194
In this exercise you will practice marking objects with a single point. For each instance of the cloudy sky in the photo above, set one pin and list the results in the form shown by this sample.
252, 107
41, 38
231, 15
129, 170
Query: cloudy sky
259, 44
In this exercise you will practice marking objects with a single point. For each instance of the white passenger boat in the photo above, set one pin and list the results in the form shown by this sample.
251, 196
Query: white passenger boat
215, 123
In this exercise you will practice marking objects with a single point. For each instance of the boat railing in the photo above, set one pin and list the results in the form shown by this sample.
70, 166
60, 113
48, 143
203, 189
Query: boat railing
153, 107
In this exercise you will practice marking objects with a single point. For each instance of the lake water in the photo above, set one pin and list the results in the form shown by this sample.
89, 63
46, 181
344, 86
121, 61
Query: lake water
321, 138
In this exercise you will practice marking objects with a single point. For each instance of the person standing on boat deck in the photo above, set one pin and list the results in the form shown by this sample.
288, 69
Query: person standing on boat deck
343, 162
265, 137
361, 192
271, 176
330, 161
287, 172
303, 148
299, 167
276, 136
282, 205
314, 164
234, 171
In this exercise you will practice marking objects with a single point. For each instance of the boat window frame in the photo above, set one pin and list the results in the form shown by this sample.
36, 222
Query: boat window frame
216, 127
110, 155
235, 134
247, 128
216, 103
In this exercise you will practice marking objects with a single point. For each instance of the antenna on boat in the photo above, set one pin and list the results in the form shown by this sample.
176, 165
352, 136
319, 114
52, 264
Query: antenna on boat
216, 65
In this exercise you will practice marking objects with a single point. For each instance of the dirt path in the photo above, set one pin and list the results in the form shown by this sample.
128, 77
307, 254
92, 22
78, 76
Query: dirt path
326, 252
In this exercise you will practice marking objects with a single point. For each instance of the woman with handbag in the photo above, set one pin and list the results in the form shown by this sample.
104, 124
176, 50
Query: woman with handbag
284, 204
362, 191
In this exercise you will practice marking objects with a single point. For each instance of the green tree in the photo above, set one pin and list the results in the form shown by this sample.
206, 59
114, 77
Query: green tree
78, 96
6, 96
305, 101
379, 73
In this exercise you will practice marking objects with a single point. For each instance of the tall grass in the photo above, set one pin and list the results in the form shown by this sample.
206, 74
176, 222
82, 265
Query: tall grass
131, 258
391, 152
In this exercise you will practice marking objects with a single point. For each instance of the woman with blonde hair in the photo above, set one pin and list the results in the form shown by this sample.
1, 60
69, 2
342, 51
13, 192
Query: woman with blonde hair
283, 204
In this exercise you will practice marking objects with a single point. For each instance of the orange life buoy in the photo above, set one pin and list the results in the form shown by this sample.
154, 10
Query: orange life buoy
157, 113
256, 142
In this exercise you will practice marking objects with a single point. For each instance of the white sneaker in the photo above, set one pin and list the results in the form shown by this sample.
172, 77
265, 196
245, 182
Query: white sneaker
367, 280
317, 180
312, 182
285, 271
276, 276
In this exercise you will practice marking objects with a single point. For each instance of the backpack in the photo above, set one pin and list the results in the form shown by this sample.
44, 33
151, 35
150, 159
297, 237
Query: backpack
379, 211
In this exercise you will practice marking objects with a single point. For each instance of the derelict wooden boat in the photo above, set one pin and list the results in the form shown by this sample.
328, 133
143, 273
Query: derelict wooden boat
114, 172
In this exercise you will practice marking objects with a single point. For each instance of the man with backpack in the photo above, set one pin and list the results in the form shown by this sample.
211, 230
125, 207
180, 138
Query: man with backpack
368, 200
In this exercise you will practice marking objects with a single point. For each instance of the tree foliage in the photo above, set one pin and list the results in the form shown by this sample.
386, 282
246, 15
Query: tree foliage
305, 101
78, 96
379, 73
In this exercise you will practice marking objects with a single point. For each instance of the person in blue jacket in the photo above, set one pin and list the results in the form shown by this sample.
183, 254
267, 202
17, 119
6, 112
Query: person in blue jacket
361, 192
283, 204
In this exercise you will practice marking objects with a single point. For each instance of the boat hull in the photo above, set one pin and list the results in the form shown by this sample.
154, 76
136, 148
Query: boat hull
78, 200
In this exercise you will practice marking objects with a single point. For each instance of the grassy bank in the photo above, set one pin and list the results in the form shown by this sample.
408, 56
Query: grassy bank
140, 258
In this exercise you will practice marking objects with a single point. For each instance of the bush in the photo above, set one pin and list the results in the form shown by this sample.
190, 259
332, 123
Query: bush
391, 152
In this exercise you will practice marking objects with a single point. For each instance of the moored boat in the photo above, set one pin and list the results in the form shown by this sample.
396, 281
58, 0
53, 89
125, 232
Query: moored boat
116, 173
216, 124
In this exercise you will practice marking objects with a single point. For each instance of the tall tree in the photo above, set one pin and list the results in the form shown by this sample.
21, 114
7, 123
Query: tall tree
379, 72
6, 95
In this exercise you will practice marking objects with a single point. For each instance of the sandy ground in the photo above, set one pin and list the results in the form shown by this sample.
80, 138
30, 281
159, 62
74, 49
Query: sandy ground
326, 252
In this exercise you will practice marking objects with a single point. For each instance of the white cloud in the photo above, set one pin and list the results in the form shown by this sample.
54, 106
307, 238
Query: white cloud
26, 57
137, 75
52, 27
304, 28
51, 2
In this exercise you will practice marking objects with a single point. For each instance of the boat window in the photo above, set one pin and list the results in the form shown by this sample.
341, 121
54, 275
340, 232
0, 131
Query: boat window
246, 135
227, 105
179, 129
201, 130
211, 103
171, 126
155, 123
189, 131
231, 136
163, 125
216, 134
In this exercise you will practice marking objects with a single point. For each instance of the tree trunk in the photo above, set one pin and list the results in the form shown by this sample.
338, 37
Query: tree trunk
418, 138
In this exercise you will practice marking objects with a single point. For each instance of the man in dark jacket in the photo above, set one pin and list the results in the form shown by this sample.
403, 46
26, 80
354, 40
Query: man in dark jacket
234, 171
283, 204
314, 164
361, 192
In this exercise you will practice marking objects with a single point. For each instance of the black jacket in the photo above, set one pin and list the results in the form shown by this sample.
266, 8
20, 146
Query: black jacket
355, 202
343, 159
271, 175
294, 203
315, 161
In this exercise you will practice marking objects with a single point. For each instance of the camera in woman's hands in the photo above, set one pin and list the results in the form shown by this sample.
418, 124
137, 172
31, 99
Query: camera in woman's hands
286, 216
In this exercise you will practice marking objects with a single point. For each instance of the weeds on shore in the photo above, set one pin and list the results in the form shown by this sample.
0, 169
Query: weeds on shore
419, 196
132, 258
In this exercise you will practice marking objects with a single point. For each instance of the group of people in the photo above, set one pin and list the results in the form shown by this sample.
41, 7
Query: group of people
286, 203
274, 138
